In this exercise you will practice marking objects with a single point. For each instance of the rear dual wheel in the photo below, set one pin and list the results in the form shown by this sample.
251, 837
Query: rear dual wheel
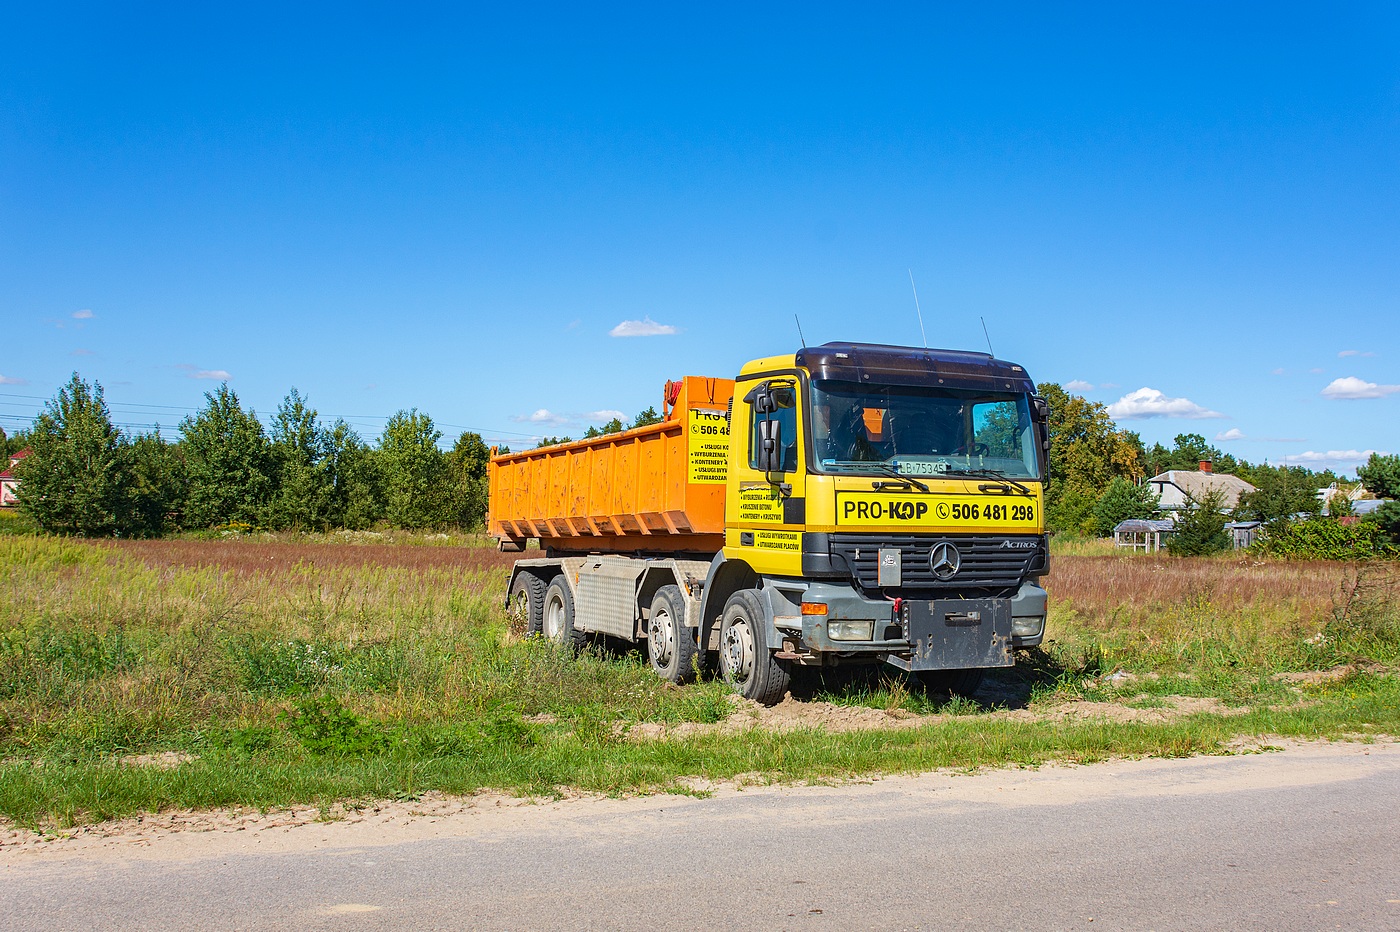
557, 622
525, 606
670, 644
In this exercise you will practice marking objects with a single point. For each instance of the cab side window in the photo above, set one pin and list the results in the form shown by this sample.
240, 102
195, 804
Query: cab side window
786, 418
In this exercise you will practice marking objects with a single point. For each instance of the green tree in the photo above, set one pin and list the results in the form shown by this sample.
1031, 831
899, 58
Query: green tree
1200, 528
11, 444
643, 419
357, 501
1279, 492
615, 426
229, 463
1086, 452
1381, 476
157, 485
552, 441
414, 472
1187, 452
1122, 500
304, 494
466, 468
76, 479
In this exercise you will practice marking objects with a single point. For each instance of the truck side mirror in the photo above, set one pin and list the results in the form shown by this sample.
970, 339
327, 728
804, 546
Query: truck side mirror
770, 452
761, 398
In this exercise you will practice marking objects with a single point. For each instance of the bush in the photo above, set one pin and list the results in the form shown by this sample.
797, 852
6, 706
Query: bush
1200, 530
1123, 500
1323, 539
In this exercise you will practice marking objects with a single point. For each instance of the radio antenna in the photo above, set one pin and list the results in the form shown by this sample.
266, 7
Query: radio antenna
799, 331
917, 310
987, 335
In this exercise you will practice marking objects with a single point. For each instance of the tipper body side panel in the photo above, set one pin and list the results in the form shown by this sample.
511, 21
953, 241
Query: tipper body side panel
658, 488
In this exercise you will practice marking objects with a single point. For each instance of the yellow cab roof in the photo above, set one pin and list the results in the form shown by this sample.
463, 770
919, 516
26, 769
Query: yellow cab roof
769, 364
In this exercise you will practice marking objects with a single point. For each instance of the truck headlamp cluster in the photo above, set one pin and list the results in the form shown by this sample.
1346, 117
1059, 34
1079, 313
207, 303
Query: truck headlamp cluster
1028, 626
850, 630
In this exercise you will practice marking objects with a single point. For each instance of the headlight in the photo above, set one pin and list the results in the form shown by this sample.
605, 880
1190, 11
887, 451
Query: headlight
1027, 626
850, 630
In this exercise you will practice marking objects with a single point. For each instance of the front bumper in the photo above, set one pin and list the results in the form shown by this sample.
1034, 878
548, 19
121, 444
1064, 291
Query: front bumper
925, 634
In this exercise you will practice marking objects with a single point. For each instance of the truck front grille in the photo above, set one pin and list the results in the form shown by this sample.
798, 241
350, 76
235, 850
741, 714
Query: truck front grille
988, 566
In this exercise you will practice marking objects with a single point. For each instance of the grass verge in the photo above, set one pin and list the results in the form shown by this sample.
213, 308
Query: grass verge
193, 674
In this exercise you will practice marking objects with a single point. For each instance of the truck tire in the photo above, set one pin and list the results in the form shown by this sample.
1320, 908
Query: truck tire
526, 604
745, 661
670, 644
953, 682
558, 616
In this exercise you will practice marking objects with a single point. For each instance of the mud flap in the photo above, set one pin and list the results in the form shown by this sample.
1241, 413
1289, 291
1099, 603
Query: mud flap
958, 634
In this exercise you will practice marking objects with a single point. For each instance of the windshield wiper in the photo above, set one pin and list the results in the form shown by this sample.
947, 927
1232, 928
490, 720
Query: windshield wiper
889, 470
997, 474
885, 468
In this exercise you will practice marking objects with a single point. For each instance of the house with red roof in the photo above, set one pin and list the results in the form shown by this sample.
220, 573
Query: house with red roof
8, 483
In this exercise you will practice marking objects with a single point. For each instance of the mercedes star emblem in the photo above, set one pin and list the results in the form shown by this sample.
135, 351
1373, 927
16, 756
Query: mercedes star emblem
945, 561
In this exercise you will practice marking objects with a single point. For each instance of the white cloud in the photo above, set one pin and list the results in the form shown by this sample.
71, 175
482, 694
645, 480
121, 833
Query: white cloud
607, 414
541, 416
1234, 433
646, 327
1352, 352
1078, 385
82, 352
1316, 371
1352, 387
84, 314
1149, 403
1340, 458
194, 372
11, 380
1276, 372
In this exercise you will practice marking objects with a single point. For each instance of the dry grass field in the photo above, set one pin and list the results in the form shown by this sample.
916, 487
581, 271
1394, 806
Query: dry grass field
266, 671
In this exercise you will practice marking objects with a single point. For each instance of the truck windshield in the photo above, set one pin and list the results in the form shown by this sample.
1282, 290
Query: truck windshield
921, 431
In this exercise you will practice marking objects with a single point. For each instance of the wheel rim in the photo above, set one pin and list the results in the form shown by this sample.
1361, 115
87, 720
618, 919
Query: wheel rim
519, 607
661, 633
738, 651
554, 618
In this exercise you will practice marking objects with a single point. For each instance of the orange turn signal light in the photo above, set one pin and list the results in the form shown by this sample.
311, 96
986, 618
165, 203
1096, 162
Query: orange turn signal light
814, 608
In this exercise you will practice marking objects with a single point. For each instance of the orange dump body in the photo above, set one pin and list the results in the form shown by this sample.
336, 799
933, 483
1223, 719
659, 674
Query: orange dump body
657, 488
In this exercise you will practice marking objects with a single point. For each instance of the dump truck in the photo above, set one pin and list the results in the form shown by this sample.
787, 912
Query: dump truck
848, 504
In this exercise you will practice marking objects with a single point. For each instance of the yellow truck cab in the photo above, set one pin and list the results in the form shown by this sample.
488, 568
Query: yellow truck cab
881, 504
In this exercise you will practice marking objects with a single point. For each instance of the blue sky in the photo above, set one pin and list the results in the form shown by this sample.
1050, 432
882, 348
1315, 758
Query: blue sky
1184, 210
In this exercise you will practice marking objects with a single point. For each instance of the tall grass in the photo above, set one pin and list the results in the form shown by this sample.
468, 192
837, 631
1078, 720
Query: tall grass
1169, 614
296, 668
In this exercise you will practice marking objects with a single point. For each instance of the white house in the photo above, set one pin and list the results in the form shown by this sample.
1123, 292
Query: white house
1174, 486
8, 483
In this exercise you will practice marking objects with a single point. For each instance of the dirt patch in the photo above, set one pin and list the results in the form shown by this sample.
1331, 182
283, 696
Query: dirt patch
141, 831
165, 760
1316, 677
793, 715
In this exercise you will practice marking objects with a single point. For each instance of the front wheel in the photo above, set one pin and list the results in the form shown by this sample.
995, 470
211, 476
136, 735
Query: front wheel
745, 661
670, 644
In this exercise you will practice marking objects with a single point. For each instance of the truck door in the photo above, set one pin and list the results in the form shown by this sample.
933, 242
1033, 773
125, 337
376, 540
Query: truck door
767, 477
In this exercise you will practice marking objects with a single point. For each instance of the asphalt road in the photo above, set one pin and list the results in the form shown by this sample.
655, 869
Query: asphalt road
1307, 838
